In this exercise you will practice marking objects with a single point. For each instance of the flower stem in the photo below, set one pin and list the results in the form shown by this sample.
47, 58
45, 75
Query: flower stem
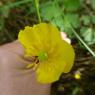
37, 8
80, 39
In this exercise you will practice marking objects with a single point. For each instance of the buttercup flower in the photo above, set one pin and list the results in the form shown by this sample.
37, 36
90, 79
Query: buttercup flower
53, 56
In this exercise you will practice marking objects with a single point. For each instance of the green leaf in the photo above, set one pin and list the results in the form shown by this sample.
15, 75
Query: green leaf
31, 10
58, 21
88, 35
50, 10
5, 10
86, 19
93, 19
72, 5
63, 25
67, 27
73, 19
69, 32
93, 4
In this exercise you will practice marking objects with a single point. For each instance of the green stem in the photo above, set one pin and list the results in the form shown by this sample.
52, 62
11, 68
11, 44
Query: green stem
37, 8
80, 39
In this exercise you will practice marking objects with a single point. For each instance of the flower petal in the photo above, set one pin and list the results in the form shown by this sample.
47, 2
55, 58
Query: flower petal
60, 61
48, 72
66, 53
39, 37
24, 38
46, 38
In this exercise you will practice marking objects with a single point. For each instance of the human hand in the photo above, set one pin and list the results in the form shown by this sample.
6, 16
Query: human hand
15, 79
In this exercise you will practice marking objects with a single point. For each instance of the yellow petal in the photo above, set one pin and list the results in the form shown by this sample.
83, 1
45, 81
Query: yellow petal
68, 55
24, 38
47, 34
48, 72
45, 37
60, 60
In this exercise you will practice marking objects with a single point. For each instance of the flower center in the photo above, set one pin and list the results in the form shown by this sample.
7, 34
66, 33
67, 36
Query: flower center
42, 56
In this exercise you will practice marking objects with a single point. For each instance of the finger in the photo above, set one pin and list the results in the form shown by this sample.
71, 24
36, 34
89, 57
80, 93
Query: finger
64, 37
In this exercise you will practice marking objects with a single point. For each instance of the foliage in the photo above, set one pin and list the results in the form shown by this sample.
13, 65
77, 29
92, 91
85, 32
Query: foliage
69, 10
58, 12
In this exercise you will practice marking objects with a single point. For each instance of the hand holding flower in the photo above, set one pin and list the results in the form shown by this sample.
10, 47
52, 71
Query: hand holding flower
43, 59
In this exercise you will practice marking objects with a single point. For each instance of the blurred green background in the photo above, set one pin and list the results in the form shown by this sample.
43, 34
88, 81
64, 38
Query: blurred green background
76, 18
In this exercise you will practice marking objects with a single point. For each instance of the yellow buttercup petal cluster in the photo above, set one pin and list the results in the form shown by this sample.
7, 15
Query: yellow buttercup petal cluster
52, 54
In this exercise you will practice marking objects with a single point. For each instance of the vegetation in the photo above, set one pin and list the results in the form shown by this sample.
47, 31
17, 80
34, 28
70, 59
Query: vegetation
76, 18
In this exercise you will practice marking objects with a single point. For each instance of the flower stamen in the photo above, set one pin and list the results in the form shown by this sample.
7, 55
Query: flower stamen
42, 56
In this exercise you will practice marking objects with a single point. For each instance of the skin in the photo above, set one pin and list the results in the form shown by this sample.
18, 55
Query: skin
15, 79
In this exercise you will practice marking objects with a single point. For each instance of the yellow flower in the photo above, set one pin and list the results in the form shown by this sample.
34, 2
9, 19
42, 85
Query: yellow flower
53, 55
77, 75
